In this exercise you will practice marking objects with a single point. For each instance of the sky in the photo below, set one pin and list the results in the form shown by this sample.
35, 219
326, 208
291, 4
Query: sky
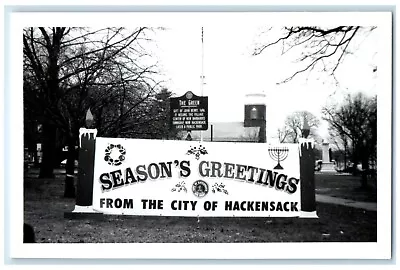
231, 72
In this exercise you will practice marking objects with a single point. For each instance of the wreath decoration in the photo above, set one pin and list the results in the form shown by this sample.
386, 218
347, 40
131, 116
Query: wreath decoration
110, 153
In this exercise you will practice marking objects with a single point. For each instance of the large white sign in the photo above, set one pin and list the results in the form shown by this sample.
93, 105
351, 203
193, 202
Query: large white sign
186, 178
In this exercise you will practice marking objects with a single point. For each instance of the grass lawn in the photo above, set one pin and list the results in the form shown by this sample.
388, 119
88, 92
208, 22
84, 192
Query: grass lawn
344, 186
44, 209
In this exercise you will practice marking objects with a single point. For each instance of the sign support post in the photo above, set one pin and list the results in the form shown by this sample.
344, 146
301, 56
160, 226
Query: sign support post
84, 194
307, 175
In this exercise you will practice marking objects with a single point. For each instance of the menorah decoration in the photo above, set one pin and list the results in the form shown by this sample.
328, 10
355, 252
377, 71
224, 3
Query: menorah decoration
278, 154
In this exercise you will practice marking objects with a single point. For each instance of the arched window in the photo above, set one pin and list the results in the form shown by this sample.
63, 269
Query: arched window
253, 113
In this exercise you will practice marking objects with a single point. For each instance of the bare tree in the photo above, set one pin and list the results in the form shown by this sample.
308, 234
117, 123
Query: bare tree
283, 133
342, 144
72, 69
292, 130
317, 48
135, 116
356, 119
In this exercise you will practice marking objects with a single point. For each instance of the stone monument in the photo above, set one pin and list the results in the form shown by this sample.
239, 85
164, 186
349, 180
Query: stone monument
327, 165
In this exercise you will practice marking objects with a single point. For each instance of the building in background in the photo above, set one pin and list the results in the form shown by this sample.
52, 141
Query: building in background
252, 129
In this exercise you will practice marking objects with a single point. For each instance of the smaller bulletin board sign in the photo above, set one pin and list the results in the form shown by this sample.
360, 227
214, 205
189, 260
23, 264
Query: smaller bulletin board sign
189, 112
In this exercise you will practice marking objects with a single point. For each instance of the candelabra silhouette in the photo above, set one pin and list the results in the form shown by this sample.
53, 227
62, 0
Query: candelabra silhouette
278, 154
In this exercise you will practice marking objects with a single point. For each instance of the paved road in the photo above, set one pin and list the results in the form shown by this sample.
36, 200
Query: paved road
370, 206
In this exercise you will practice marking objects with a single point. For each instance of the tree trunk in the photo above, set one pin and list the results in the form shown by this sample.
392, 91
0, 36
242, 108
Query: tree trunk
364, 179
356, 158
35, 158
69, 191
48, 151
354, 168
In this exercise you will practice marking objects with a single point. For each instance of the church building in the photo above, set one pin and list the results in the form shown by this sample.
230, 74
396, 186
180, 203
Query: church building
251, 129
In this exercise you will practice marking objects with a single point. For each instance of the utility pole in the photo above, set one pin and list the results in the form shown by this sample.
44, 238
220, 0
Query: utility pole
202, 72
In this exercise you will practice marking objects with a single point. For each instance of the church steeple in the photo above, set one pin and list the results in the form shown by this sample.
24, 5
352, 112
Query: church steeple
255, 113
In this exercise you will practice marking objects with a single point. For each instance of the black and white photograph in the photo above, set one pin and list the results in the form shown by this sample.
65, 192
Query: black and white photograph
182, 132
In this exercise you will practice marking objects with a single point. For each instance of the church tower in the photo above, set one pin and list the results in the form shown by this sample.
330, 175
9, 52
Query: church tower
255, 113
